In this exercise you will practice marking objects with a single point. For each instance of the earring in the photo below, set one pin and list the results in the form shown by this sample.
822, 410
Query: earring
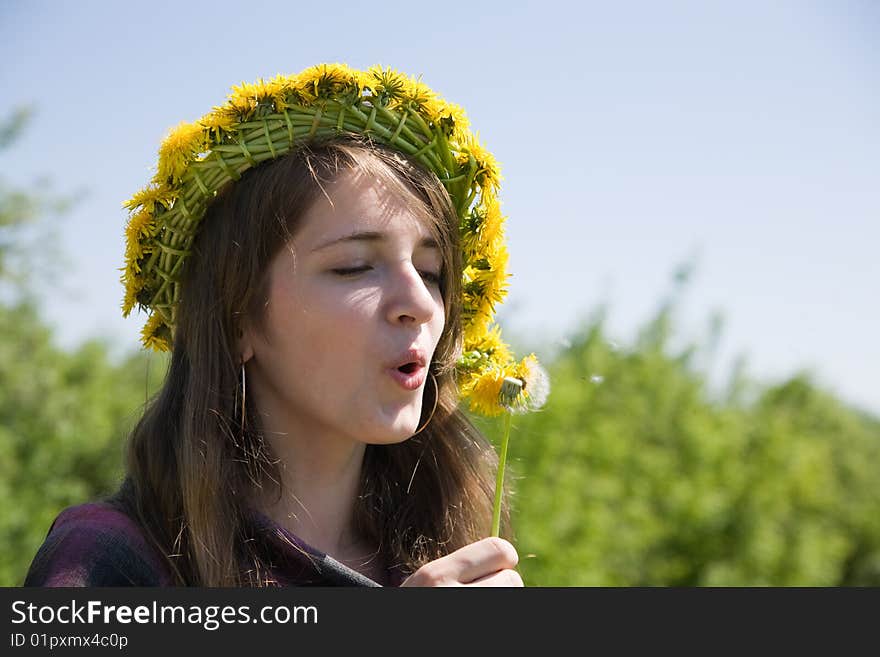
436, 398
243, 396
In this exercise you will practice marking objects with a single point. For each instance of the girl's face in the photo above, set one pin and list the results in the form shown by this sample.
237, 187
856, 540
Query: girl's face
354, 295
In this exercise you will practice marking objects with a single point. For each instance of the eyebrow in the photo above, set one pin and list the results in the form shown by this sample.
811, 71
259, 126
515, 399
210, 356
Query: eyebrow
373, 236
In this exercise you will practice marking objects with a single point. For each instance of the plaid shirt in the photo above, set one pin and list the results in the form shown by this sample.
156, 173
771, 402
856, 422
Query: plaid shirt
94, 544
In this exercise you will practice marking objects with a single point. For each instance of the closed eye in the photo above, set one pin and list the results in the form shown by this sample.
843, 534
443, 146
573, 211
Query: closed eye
434, 279
431, 277
351, 272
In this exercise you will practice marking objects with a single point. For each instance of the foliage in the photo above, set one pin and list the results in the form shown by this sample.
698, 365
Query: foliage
63, 417
642, 479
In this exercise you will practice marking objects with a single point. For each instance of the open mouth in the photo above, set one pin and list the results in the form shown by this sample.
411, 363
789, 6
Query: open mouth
410, 375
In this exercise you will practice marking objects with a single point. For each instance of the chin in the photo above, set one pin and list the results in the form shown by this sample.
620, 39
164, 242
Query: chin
391, 440
394, 435
391, 433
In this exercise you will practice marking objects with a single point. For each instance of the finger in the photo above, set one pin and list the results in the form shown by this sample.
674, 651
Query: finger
476, 560
501, 578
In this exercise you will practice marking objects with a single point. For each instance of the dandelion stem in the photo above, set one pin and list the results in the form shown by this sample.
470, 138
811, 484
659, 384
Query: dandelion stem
499, 480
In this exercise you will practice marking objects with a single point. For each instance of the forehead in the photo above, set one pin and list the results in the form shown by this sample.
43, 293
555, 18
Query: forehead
357, 201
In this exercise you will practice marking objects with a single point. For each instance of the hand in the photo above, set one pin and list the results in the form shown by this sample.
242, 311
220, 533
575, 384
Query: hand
489, 562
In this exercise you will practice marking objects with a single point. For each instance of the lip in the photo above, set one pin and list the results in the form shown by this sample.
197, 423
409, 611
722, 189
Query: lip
411, 355
409, 381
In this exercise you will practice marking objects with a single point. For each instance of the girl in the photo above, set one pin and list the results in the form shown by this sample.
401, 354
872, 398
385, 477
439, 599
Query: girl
322, 327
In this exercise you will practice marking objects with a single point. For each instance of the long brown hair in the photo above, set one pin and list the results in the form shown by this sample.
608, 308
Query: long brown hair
191, 469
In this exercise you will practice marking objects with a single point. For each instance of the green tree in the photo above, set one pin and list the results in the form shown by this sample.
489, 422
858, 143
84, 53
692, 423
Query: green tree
63, 414
644, 478
632, 474
63, 420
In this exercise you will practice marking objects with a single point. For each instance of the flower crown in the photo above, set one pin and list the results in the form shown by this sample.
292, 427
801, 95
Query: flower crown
265, 120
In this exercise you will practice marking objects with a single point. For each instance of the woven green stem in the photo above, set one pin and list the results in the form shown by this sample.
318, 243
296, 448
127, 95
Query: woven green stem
499, 479
267, 138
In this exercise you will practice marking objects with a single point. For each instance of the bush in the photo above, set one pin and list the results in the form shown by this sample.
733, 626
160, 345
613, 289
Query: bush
642, 480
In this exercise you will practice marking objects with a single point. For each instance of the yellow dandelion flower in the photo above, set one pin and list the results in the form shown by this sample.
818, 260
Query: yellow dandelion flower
155, 334
482, 230
495, 292
133, 282
134, 251
296, 86
494, 261
288, 91
462, 158
129, 301
226, 115
483, 312
147, 197
242, 100
432, 109
337, 70
364, 79
388, 83
140, 225
277, 89
306, 83
470, 244
484, 391
489, 172
451, 118
178, 149
218, 121
457, 113
470, 227
329, 81
132, 273
491, 345
419, 93
492, 229
485, 284
132, 269
475, 331
246, 97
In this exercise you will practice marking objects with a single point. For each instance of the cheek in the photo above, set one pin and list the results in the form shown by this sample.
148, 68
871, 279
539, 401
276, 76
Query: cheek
329, 328
330, 310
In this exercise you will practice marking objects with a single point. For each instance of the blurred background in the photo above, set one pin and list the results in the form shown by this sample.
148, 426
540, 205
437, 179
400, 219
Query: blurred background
691, 191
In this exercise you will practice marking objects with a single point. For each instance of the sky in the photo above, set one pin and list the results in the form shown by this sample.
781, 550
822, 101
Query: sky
633, 137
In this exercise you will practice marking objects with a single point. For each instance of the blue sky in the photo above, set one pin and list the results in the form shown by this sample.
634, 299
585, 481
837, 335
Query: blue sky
633, 137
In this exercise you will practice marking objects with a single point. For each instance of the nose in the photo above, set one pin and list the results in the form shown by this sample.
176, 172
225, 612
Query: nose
411, 300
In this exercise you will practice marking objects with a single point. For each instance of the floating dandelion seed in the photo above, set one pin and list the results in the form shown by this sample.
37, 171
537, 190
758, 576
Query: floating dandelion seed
597, 379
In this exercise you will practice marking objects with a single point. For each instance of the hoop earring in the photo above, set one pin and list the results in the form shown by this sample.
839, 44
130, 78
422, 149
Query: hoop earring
243, 396
436, 398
